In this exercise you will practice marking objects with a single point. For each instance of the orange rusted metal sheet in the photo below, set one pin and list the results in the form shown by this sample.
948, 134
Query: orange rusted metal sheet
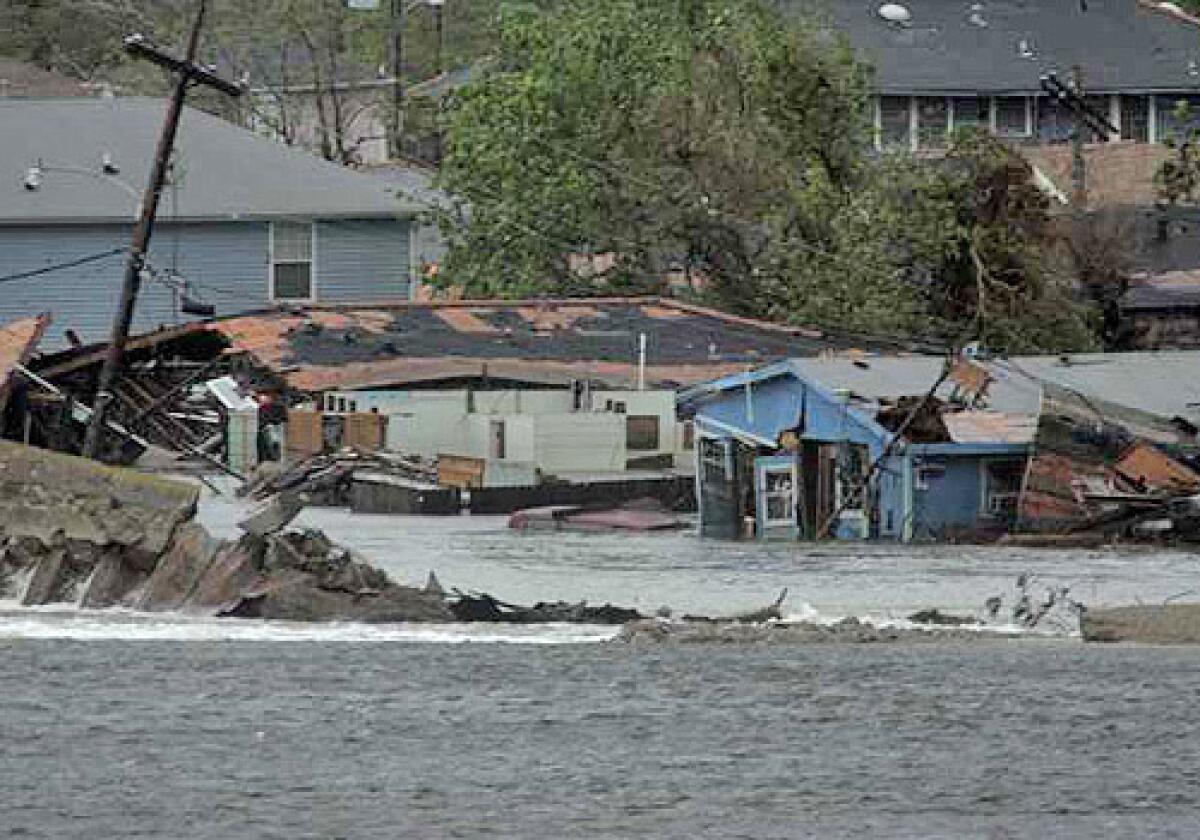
970, 378
663, 313
18, 341
465, 321
1150, 468
555, 317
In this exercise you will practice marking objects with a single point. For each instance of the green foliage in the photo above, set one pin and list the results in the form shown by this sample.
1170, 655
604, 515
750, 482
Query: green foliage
716, 134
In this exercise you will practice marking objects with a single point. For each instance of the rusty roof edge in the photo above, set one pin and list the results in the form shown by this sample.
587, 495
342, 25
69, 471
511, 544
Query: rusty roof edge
41, 323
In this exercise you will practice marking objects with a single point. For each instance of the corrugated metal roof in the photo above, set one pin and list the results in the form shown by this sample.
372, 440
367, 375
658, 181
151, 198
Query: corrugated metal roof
951, 47
222, 172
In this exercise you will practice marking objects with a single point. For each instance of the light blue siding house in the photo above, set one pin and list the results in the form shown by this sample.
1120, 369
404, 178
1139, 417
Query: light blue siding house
808, 448
245, 223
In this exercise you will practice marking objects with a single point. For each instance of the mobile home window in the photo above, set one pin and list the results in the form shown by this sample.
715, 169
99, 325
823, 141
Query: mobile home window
291, 261
641, 433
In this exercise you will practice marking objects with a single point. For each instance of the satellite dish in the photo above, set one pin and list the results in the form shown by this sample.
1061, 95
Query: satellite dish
895, 13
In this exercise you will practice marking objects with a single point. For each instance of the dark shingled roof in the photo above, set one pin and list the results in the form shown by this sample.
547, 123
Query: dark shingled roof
537, 341
1122, 45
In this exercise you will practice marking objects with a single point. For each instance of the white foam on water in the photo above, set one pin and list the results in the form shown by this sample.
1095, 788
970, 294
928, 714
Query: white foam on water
808, 614
58, 622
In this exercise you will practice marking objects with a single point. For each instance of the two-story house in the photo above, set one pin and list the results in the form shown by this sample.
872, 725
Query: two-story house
942, 64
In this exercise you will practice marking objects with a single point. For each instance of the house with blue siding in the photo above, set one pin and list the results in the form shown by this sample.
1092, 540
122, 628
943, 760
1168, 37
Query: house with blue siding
851, 448
245, 223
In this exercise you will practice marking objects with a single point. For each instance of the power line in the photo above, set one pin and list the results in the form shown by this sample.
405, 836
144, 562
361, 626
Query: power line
37, 272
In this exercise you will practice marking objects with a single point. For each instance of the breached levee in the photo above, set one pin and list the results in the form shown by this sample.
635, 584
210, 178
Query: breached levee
74, 531
846, 631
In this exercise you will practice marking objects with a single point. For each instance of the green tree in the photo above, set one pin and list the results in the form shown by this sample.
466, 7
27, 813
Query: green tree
704, 132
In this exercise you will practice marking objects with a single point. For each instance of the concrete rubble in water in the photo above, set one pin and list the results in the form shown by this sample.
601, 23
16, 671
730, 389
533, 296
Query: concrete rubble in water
73, 531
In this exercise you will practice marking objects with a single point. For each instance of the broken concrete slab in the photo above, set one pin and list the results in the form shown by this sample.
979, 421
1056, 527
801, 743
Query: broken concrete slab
234, 570
49, 496
274, 515
180, 570
1163, 624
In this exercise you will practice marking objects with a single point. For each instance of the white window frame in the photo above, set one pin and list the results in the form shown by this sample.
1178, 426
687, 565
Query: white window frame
312, 263
791, 496
994, 110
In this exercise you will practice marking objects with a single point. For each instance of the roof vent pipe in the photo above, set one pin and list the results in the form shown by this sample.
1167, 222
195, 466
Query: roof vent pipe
895, 13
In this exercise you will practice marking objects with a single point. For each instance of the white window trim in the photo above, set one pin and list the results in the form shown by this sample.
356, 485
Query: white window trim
312, 262
790, 520
994, 125
1152, 118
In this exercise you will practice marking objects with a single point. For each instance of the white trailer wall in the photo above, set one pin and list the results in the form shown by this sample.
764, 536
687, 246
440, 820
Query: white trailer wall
580, 443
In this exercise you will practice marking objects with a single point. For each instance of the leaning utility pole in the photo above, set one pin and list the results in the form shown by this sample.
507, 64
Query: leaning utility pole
396, 129
1071, 97
187, 73
1078, 162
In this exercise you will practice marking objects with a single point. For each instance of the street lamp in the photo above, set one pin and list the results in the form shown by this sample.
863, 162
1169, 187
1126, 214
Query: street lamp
106, 173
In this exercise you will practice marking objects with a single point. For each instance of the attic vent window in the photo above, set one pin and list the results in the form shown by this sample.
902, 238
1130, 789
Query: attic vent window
976, 18
895, 13
1025, 48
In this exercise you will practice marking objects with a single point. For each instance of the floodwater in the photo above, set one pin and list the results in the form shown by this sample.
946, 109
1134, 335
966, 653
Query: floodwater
118, 725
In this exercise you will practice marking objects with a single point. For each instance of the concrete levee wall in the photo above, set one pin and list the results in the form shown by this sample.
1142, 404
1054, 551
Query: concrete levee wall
52, 497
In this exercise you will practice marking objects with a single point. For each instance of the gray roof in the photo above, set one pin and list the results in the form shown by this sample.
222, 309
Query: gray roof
1165, 383
1120, 44
224, 172
872, 378
1152, 297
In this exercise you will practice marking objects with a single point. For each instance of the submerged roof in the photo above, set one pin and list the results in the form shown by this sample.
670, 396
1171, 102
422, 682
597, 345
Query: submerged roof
999, 46
221, 172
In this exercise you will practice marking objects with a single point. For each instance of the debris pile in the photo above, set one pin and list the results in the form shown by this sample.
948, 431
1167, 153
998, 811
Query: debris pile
327, 479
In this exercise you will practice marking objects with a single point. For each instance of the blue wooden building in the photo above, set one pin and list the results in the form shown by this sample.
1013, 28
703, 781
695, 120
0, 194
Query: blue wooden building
245, 223
808, 448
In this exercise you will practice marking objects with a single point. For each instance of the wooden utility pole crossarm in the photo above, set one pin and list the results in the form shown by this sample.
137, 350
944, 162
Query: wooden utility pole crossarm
187, 73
